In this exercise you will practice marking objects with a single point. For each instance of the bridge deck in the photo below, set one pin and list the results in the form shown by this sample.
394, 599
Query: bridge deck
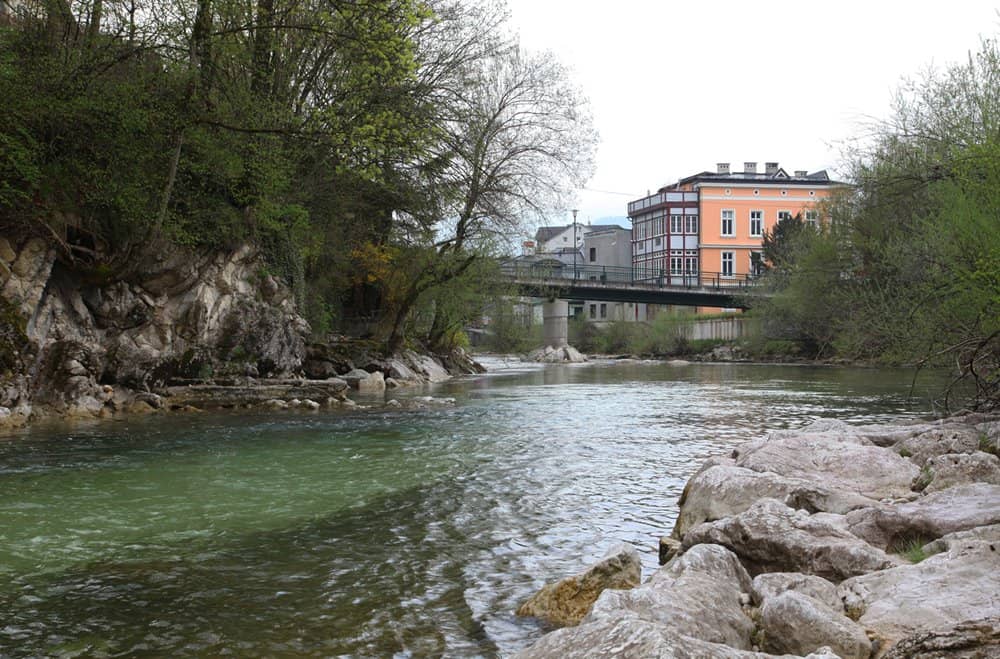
621, 285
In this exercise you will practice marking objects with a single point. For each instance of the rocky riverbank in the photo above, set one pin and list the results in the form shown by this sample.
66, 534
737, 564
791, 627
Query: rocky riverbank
175, 330
831, 541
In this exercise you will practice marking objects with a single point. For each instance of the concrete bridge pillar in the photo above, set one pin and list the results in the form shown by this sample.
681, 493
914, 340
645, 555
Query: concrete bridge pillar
555, 317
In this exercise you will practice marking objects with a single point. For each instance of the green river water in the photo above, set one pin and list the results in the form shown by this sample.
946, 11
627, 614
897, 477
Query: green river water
379, 532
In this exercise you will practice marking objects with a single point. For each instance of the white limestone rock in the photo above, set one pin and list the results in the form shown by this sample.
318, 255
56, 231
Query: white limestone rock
697, 594
839, 459
771, 537
940, 440
797, 624
941, 593
962, 468
772, 584
957, 508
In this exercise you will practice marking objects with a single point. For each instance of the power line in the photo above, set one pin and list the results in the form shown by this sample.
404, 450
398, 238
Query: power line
624, 194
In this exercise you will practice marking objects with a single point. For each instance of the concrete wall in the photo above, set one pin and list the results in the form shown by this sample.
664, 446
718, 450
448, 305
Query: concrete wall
719, 329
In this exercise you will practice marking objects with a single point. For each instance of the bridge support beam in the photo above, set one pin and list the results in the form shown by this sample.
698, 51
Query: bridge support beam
555, 317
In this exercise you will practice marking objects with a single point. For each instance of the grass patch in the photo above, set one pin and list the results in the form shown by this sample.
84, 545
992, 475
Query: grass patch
911, 548
986, 446
922, 480
905, 453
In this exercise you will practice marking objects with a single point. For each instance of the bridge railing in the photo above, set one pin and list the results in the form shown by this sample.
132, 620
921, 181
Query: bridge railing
619, 276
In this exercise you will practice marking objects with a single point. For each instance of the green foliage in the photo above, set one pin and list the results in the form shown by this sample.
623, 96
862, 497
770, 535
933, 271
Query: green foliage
411, 134
510, 329
909, 272
912, 550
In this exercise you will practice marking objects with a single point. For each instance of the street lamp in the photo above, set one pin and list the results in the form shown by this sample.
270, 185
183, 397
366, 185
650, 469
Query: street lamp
576, 247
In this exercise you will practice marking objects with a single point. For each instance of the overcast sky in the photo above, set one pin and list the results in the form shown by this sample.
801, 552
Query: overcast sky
676, 87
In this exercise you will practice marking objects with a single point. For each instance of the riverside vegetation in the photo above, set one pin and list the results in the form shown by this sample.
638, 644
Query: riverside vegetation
216, 188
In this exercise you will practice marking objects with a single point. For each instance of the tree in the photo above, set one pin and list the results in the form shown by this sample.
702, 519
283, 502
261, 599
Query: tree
911, 264
515, 139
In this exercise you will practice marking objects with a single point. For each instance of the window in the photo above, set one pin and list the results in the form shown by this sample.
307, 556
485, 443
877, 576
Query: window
675, 223
784, 215
812, 218
675, 265
565, 239
691, 265
756, 263
728, 220
593, 311
727, 264
657, 241
604, 310
756, 223
691, 222
593, 254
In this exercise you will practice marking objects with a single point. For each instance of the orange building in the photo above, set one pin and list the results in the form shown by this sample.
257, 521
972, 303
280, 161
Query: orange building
707, 227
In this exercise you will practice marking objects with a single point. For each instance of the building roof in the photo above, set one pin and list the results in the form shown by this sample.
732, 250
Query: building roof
548, 233
778, 176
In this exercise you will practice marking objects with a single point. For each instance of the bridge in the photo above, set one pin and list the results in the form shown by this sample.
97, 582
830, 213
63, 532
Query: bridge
558, 282
605, 283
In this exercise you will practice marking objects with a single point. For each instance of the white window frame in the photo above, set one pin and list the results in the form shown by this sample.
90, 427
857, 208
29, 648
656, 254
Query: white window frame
691, 224
812, 217
783, 214
760, 224
732, 222
732, 264
676, 224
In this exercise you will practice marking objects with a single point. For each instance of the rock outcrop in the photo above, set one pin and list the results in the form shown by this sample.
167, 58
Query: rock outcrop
871, 541
201, 330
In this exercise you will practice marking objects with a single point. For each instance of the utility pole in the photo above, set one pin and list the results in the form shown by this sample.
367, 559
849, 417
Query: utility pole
576, 248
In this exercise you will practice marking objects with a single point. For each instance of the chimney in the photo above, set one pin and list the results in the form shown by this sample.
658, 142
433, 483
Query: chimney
801, 173
749, 168
723, 167
770, 168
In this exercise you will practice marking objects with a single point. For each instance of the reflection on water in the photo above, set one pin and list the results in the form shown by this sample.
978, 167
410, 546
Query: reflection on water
374, 533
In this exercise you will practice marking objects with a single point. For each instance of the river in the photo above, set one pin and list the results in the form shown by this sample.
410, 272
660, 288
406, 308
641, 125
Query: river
377, 532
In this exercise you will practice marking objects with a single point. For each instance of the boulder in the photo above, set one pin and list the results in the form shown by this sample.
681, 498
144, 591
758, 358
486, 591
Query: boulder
426, 366
940, 440
698, 595
374, 383
627, 636
771, 537
723, 490
794, 623
938, 595
839, 458
957, 508
772, 584
967, 640
557, 355
364, 381
668, 548
566, 602
962, 468
989, 533
886, 435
